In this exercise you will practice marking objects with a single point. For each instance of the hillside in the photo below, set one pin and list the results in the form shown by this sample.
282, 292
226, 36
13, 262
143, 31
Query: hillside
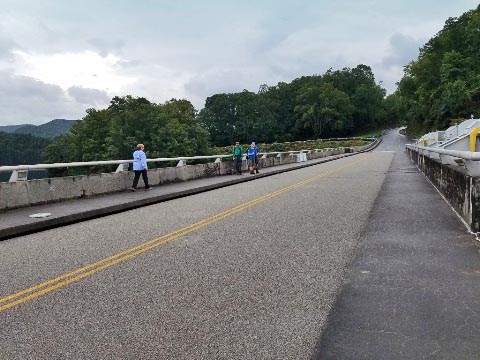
16, 149
11, 128
442, 86
51, 129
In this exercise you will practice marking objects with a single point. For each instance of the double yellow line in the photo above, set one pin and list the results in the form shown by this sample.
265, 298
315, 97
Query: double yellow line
73, 276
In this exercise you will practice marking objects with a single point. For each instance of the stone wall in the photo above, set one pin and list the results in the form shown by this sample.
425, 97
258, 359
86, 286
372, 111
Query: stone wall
461, 190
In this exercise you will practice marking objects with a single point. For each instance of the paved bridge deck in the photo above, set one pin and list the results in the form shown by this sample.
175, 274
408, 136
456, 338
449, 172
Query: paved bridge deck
413, 289
358, 258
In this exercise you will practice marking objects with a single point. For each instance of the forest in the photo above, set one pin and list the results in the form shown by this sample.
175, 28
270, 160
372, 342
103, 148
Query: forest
311, 107
335, 104
21, 149
442, 86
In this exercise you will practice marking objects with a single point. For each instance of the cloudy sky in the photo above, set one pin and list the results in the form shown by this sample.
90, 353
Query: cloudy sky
59, 58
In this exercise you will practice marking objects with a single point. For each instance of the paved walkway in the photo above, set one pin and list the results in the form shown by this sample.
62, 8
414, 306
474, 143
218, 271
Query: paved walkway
413, 290
17, 222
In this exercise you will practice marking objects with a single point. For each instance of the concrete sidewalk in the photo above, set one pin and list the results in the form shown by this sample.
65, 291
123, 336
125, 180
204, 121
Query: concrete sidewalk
17, 222
413, 290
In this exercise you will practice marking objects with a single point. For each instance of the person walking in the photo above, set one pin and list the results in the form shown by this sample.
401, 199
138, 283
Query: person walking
252, 156
237, 157
140, 167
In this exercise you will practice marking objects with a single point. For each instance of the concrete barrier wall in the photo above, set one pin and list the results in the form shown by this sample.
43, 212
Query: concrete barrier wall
462, 191
34, 192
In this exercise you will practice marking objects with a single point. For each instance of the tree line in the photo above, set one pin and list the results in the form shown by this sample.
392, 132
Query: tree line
167, 130
21, 149
442, 86
337, 103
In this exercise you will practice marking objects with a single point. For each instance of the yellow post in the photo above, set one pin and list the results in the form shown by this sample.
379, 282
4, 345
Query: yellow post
473, 138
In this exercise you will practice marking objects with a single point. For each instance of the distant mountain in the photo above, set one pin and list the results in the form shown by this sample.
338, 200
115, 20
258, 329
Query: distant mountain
11, 128
51, 129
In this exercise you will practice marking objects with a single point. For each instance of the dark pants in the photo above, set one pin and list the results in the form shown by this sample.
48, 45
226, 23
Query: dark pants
253, 163
137, 176
238, 164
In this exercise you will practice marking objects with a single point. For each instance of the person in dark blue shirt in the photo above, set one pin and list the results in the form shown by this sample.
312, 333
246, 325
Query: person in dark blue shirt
252, 157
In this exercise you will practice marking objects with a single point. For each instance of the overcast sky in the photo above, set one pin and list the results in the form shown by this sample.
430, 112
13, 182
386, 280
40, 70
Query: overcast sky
59, 58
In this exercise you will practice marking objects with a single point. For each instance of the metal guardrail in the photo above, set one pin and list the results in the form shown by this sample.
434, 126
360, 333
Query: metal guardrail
466, 155
20, 172
467, 159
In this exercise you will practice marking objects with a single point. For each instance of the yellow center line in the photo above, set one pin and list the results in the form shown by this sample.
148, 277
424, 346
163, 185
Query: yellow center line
73, 276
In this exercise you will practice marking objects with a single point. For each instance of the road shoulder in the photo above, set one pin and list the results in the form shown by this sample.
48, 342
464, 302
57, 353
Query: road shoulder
413, 290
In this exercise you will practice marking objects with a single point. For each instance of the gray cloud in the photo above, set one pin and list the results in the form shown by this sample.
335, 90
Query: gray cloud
26, 100
209, 83
6, 46
106, 46
18, 87
403, 50
93, 97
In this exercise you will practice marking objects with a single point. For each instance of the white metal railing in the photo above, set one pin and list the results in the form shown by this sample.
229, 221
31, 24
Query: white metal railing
466, 155
20, 172
468, 159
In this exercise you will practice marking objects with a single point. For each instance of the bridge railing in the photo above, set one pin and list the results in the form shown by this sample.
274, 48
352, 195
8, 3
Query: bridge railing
20, 193
468, 159
20, 172
456, 175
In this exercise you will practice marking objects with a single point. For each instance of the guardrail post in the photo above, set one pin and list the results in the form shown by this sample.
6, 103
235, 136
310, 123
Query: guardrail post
122, 167
473, 167
18, 175
181, 163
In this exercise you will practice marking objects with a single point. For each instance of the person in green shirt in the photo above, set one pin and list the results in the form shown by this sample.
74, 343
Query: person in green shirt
237, 157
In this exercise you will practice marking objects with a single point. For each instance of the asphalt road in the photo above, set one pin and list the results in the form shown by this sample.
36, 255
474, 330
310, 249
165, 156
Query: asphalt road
393, 141
255, 282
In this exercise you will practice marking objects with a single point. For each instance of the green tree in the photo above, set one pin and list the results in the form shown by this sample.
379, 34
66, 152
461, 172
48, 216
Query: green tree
167, 130
21, 149
443, 83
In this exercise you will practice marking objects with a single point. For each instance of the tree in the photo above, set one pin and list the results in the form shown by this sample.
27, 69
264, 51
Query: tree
167, 130
21, 149
443, 83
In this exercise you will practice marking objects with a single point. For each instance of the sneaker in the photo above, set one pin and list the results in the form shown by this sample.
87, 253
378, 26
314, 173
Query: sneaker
149, 188
133, 189
257, 171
